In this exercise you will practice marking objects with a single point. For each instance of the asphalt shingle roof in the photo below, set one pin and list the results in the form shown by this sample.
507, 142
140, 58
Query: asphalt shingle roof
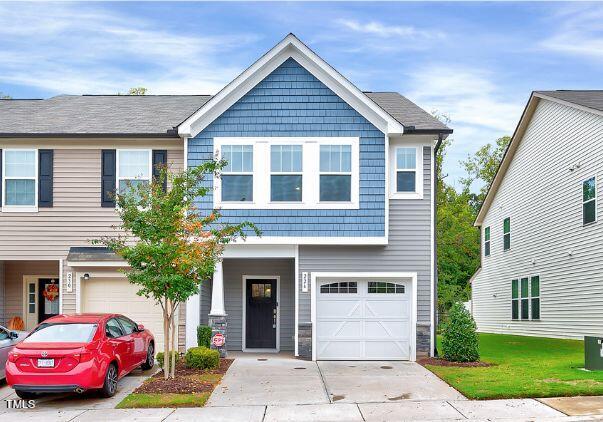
591, 99
150, 115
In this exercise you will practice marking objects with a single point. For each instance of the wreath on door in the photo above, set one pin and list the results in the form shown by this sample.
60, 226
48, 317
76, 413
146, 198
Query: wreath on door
51, 292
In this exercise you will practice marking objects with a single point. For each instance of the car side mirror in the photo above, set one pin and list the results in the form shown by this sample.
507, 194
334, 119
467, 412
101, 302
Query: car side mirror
140, 327
13, 335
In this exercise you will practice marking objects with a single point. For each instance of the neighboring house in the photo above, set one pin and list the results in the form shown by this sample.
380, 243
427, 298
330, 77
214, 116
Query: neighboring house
541, 266
338, 180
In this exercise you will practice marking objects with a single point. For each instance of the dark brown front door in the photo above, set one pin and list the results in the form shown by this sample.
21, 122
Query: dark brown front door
260, 328
48, 303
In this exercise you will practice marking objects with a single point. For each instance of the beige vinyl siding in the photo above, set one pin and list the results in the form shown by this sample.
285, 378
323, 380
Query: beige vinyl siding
13, 282
2, 294
76, 216
543, 198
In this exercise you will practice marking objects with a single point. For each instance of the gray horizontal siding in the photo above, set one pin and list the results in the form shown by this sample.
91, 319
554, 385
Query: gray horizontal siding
233, 270
543, 198
409, 249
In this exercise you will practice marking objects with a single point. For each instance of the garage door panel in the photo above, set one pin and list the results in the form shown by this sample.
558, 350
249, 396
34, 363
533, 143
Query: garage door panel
363, 325
337, 308
387, 309
339, 329
385, 349
118, 295
386, 330
349, 350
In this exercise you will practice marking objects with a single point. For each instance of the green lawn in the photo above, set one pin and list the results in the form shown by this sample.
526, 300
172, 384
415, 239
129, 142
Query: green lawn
134, 401
524, 367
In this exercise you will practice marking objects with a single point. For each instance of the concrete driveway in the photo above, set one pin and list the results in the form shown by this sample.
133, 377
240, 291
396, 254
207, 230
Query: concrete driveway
282, 380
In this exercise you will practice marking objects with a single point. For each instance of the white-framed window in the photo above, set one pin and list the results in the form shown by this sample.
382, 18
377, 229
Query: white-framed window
525, 298
286, 173
405, 169
134, 167
237, 175
19, 180
589, 201
335, 173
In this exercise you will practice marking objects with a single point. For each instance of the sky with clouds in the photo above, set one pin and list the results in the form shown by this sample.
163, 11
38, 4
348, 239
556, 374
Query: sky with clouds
475, 62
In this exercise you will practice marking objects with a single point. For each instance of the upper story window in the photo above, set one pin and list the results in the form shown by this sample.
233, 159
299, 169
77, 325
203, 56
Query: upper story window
19, 172
237, 175
507, 234
487, 241
286, 173
335, 173
133, 168
589, 201
406, 169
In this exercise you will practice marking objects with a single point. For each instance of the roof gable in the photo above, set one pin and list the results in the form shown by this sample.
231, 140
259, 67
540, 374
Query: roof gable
289, 48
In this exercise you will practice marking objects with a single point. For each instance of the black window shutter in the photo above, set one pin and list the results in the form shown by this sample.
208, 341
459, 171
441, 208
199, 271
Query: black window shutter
108, 176
159, 160
45, 171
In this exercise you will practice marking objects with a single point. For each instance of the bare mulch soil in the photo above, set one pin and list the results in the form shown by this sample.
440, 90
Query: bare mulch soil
187, 381
443, 362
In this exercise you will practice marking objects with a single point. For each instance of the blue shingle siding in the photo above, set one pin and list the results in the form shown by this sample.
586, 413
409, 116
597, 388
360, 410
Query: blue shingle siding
292, 102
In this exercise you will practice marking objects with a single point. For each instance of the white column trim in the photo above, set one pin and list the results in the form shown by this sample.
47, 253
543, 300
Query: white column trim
217, 292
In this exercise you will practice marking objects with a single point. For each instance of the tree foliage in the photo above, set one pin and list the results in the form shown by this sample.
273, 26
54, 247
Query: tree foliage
482, 167
458, 241
169, 245
4, 96
139, 90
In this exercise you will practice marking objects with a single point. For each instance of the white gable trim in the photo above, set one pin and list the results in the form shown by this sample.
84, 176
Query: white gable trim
290, 47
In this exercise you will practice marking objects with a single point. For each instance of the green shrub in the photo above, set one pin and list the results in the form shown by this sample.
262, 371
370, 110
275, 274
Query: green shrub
203, 336
202, 358
459, 339
159, 357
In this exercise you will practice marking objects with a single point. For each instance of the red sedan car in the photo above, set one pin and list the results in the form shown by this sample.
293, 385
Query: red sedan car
75, 353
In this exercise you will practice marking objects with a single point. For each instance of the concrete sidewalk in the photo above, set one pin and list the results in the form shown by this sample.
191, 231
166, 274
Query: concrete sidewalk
407, 410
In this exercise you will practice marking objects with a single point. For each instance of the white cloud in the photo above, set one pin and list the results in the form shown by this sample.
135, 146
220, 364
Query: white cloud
577, 30
479, 109
71, 48
382, 30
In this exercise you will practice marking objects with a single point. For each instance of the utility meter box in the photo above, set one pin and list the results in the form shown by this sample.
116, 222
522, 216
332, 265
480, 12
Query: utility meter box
593, 353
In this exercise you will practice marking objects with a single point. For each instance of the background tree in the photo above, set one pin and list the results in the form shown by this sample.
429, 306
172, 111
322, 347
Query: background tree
482, 167
458, 241
4, 96
137, 91
169, 245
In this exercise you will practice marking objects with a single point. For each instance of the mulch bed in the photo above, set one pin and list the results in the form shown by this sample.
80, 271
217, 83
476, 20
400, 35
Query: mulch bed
443, 362
187, 381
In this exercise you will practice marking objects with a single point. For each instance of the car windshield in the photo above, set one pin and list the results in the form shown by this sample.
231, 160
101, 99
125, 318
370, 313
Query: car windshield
59, 333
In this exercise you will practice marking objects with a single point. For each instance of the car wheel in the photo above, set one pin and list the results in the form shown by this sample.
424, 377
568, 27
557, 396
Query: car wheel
26, 395
150, 362
110, 386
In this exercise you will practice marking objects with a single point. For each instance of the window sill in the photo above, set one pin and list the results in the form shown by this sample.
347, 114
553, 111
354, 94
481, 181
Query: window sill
287, 205
17, 209
406, 195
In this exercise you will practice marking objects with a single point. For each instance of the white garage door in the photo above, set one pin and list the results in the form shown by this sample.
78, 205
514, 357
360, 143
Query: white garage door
118, 295
363, 319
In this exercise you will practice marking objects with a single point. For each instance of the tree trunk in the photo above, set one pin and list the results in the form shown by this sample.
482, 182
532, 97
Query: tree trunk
174, 337
166, 341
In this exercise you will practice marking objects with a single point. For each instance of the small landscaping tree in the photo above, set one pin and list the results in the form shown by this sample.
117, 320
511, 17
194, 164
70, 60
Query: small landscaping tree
459, 336
169, 246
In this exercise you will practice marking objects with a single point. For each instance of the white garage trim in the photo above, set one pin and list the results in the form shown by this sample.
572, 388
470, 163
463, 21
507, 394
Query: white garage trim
374, 276
278, 313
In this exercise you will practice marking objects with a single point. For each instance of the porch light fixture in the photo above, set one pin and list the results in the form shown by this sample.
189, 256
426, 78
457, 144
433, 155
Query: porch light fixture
86, 276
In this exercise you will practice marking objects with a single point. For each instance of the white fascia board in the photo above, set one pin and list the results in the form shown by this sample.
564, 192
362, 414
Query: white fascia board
259, 251
290, 47
77, 264
300, 240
